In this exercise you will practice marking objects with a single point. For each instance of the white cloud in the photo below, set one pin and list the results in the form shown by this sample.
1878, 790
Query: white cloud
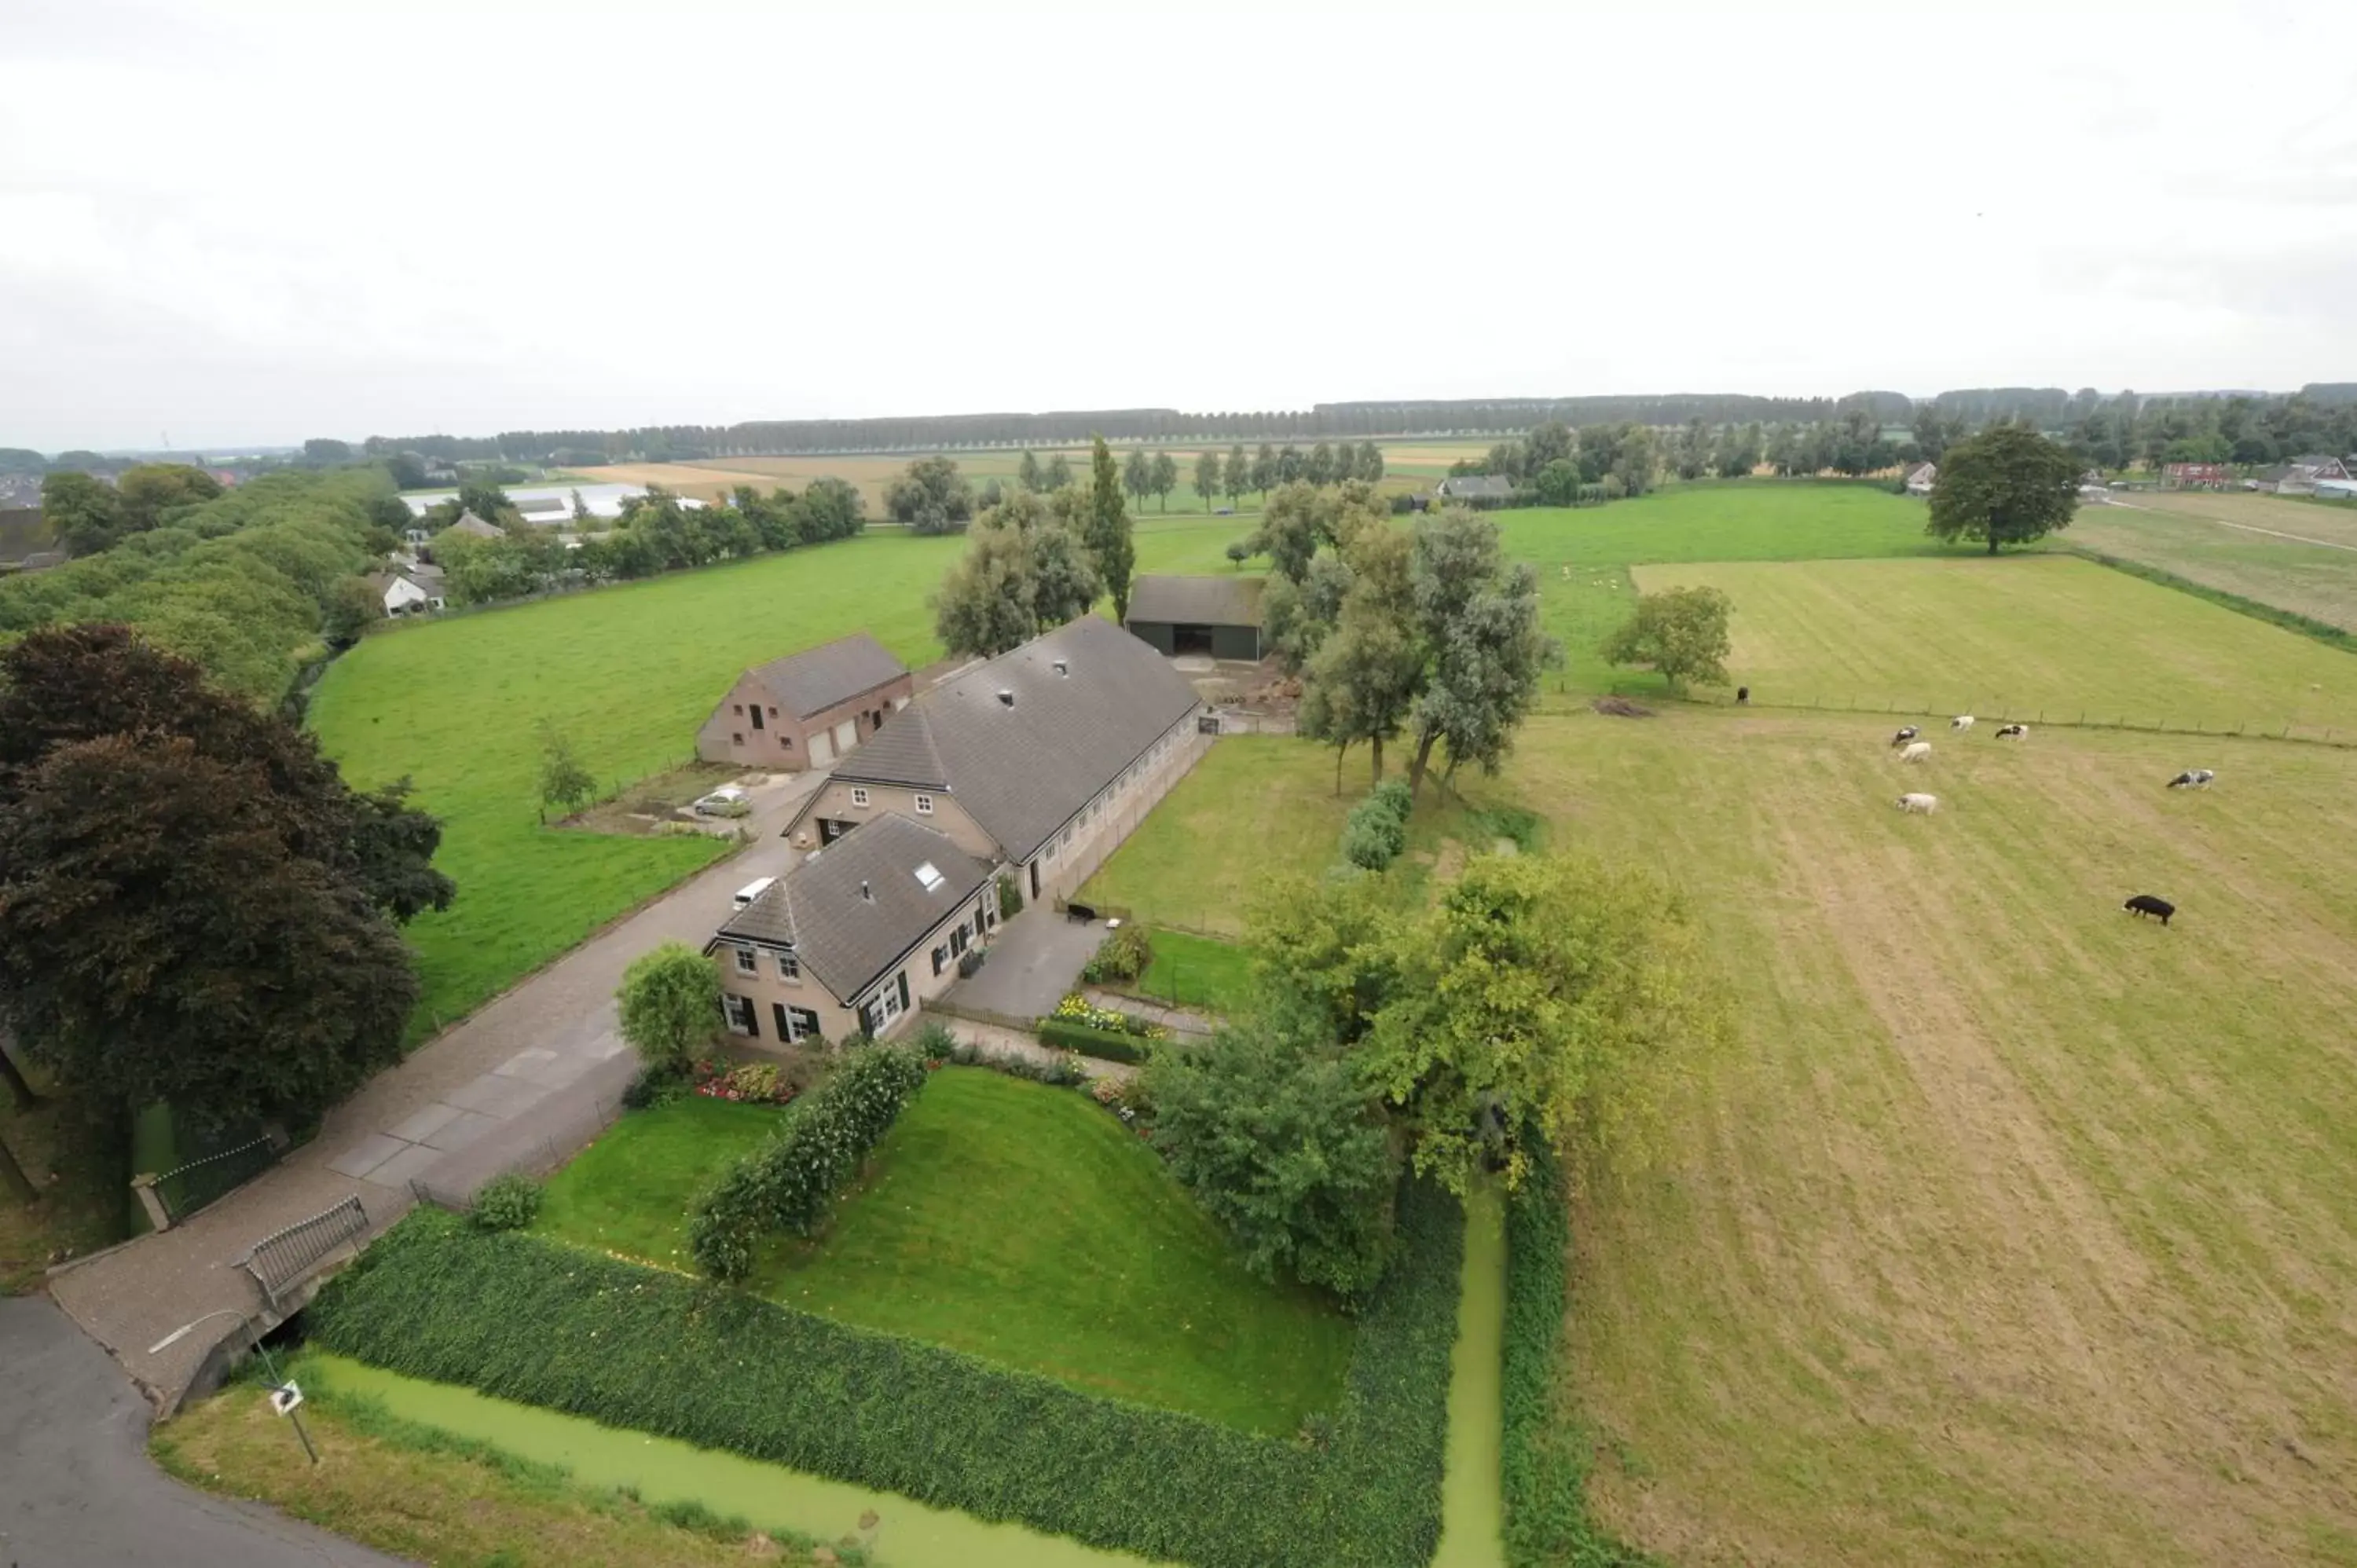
255, 222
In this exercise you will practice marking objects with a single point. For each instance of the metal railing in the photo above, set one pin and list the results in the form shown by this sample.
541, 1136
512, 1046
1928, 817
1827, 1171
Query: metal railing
188, 1187
284, 1259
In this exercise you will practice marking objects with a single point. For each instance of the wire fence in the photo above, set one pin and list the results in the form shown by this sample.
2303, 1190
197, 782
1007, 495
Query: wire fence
2075, 718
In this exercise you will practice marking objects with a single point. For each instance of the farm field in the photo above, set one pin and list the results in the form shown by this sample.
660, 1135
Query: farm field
1088, 1264
2052, 637
2011, 1229
2188, 534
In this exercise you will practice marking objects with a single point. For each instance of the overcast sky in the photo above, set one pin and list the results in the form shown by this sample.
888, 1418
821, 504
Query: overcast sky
242, 222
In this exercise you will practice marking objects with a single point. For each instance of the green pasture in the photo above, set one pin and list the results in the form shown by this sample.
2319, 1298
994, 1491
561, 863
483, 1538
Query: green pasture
1196, 971
2048, 638
1028, 1226
2318, 580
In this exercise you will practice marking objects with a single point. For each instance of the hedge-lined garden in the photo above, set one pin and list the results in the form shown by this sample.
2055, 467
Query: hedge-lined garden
530, 1320
789, 1183
1543, 1463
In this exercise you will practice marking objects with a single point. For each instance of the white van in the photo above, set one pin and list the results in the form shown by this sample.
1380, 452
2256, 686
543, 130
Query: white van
752, 890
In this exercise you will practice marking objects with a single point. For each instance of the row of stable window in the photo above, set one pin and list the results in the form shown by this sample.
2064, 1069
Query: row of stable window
1097, 808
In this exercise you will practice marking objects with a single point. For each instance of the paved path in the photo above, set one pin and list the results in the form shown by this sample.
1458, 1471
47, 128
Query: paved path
1183, 1022
78, 1490
1034, 960
540, 1065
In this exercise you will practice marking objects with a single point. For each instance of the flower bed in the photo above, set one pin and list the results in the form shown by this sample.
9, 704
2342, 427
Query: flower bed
750, 1083
1078, 1009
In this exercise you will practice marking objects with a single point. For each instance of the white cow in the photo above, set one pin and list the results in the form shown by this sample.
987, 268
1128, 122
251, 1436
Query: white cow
1960, 722
1911, 804
1916, 752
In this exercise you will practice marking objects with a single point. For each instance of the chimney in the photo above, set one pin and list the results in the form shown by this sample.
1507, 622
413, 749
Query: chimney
1063, 667
1006, 696
866, 896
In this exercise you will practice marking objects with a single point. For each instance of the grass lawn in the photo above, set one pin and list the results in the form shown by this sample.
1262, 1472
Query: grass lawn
1026, 1226
2048, 636
1196, 971
628, 1193
79, 1169
1254, 804
403, 1469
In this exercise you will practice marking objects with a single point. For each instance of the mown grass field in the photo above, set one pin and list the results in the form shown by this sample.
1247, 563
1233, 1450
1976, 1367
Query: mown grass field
2217, 540
1026, 1226
2011, 1229
2047, 637
628, 1194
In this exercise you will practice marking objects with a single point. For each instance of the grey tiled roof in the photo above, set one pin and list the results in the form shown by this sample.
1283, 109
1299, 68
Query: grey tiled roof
1196, 601
816, 679
845, 939
1022, 770
468, 524
1483, 485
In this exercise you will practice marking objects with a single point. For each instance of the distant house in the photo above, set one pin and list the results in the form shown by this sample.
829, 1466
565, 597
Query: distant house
1041, 760
808, 709
474, 527
851, 940
2194, 476
2302, 475
2336, 489
1218, 616
1921, 478
401, 594
1476, 487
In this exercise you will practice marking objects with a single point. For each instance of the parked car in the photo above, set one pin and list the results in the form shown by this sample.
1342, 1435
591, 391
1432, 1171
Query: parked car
728, 801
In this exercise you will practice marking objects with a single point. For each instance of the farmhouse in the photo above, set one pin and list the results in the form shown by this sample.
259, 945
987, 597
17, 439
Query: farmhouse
808, 709
474, 527
1493, 488
851, 941
1921, 478
1042, 759
2302, 475
403, 593
1217, 616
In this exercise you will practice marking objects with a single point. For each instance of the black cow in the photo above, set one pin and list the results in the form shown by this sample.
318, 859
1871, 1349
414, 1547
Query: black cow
2146, 904
1743, 694
1905, 735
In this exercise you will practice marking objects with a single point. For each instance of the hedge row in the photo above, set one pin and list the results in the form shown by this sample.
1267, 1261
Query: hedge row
1543, 1466
529, 1319
788, 1183
1106, 1045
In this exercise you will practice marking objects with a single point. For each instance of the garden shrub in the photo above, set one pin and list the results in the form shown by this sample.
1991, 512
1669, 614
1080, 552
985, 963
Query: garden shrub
1543, 1469
1057, 1072
1010, 895
933, 1041
508, 1202
524, 1318
1121, 957
1376, 831
1105, 1044
657, 1083
789, 1182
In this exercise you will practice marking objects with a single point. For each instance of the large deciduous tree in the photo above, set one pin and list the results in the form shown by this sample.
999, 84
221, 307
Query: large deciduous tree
82, 513
1281, 1141
670, 1003
1681, 632
2008, 485
1163, 479
931, 497
1477, 616
1541, 995
1137, 475
1025, 571
1208, 475
1108, 534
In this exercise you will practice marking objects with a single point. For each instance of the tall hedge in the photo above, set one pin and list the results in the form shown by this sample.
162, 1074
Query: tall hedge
529, 1319
789, 1182
1543, 1466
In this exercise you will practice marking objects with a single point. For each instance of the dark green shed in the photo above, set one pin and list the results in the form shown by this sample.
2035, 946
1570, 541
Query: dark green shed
1215, 616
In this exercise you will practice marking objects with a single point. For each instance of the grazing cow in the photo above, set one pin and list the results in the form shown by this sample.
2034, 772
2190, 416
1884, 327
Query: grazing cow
2019, 732
1916, 751
1905, 733
1743, 694
1910, 804
2145, 904
1961, 723
2192, 778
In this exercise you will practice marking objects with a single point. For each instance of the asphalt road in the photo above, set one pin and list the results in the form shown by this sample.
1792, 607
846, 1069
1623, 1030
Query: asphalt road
78, 1490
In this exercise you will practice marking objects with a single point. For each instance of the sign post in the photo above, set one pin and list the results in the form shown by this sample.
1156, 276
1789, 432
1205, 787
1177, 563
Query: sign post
286, 1399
